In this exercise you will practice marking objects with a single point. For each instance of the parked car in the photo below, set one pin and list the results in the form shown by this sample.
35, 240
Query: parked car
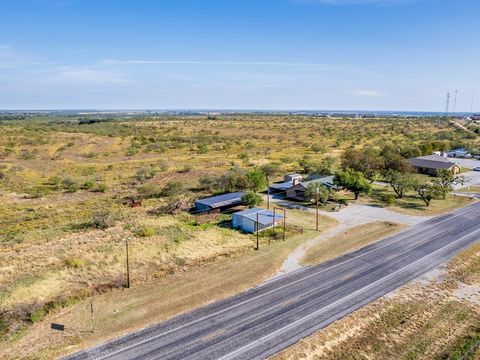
477, 168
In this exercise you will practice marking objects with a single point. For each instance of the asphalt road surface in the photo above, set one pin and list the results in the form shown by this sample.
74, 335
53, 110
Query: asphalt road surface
264, 320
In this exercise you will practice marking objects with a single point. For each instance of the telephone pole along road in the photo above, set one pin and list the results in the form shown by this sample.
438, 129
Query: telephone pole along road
264, 320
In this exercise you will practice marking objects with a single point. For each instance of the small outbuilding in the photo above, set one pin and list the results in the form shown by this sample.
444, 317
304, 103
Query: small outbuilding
219, 202
246, 220
431, 163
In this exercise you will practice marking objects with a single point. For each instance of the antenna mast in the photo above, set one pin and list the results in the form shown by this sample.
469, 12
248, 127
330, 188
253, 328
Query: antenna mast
455, 102
447, 104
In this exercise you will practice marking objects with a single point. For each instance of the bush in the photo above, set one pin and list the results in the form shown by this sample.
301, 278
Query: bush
75, 263
173, 188
87, 185
70, 185
252, 199
100, 187
103, 219
148, 191
388, 199
146, 231
37, 315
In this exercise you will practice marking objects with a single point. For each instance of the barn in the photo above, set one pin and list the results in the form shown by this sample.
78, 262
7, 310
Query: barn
219, 202
246, 220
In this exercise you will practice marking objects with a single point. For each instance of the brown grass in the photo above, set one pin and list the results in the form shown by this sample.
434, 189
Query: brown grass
121, 311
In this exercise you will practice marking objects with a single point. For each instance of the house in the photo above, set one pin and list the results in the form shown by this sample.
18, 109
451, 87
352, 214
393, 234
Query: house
219, 202
297, 191
431, 163
459, 153
289, 180
246, 220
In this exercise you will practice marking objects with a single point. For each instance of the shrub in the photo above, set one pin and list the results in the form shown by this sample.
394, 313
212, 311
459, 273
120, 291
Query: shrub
70, 185
37, 315
100, 187
173, 188
146, 231
75, 263
388, 199
148, 191
103, 219
87, 185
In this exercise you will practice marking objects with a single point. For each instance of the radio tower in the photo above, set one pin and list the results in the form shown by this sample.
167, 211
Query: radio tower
455, 101
447, 104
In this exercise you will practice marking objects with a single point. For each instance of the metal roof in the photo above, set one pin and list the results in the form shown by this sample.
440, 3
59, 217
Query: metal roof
222, 200
326, 180
282, 186
432, 162
265, 217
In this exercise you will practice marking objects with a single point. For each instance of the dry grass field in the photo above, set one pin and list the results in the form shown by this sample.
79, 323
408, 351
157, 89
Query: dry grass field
64, 181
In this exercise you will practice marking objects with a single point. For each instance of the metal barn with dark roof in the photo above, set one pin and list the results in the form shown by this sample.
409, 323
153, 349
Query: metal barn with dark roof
219, 202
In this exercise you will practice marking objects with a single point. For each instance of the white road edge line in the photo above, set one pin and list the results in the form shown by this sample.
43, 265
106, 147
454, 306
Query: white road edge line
343, 299
264, 294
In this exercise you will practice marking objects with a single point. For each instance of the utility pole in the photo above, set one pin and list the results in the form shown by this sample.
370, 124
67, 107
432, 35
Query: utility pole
256, 228
455, 101
268, 197
317, 205
128, 265
91, 315
447, 105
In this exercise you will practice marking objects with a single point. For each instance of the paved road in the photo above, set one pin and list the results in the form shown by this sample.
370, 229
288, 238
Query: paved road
266, 319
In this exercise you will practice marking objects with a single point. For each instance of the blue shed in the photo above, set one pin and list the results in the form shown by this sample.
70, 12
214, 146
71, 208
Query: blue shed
246, 220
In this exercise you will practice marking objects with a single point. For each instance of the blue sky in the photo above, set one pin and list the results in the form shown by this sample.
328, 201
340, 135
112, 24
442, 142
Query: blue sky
239, 54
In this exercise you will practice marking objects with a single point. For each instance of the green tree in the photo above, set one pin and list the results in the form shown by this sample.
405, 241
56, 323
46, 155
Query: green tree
271, 170
367, 160
252, 199
399, 181
352, 180
256, 180
317, 192
427, 191
445, 181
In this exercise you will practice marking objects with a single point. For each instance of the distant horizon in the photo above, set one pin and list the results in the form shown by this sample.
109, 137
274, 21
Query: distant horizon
142, 110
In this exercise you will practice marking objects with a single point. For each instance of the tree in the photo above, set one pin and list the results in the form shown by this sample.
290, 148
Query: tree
399, 181
366, 160
173, 188
352, 180
256, 180
427, 191
252, 199
317, 192
445, 181
270, 170
318, 167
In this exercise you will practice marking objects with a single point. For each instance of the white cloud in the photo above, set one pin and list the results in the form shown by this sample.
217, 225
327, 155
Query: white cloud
72, 75
195, 62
